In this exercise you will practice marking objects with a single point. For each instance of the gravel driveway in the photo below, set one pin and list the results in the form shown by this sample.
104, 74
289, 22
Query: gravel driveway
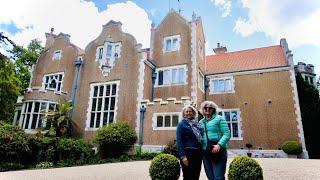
273, 169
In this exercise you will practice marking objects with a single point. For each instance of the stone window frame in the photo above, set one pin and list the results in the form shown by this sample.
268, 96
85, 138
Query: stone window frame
44, 81
163, 114
102, 51
101, 111
57, 54
171, 39
170, 68
231, 122
39, 122
201, 81
232, 85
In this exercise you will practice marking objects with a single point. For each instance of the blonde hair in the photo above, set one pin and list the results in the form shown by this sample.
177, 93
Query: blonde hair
195, 112
208, 104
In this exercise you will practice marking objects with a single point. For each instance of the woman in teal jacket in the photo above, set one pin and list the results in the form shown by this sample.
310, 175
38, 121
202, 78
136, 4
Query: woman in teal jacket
217, 130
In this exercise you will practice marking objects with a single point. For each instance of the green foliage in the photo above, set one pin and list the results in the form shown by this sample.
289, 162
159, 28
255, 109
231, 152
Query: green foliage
13, 143
171, 148
8, 166
116, 138
292, 147
310, 109
24, 59
69, 148
164, 166
10, 87
44, 165
244, 168
58, 120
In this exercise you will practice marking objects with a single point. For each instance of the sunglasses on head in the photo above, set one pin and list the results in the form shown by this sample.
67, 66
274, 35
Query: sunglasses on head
208, 108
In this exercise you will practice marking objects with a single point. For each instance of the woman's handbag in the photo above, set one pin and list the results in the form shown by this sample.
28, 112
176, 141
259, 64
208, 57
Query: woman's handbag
208, 152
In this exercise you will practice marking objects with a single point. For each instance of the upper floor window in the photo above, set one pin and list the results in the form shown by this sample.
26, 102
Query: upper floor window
166, 121
100, 52
232, 117
102, 104
57, 55
175, 75
108, 50
53, 81
201, 81
171, 43
222, 85
33, 113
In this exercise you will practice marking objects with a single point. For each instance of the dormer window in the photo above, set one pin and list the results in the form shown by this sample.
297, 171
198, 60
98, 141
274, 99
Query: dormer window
57, 55
171, 43
53, 81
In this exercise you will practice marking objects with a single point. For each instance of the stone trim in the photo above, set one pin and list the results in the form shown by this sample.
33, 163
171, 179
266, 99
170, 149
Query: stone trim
298, 113
140, 91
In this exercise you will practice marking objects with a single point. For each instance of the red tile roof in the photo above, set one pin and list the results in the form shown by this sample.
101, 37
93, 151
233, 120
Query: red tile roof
251, 59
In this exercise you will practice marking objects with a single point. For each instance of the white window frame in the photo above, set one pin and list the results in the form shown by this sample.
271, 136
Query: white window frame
201, 81
239, 122
169, 78
89, 110
100, 51
154, 120
232, 84
23, 117
171, 38
51, 75
57, 55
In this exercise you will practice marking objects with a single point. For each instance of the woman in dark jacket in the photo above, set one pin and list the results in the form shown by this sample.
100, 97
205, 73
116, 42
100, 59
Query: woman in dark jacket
189, 143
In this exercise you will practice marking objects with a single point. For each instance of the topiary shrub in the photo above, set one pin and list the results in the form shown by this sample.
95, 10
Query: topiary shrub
164, 166
115, 139
13, 143
292, 147
244, 168
171, 148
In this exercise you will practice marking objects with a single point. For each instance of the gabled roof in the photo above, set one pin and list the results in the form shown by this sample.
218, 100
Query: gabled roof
259, 58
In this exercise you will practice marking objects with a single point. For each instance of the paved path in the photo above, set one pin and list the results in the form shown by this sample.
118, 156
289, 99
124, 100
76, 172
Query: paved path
273, 169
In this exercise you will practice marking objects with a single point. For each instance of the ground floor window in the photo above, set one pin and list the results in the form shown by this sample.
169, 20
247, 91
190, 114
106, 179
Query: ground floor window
165, 121
232, 117
103, 100
33, 113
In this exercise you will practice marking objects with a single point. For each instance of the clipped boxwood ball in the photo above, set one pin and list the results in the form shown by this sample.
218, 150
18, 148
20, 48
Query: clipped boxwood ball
164, 167
244, 168
292, 147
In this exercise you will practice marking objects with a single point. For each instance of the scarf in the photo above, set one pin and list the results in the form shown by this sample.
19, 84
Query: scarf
196, 128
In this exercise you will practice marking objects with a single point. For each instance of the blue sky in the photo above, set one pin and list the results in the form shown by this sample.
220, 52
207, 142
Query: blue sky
236, 24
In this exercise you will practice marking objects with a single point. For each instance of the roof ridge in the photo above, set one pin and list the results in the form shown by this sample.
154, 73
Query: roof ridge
244, 50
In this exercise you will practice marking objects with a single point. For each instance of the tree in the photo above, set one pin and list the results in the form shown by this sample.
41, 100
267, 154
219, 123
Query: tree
310, 111
10, 87
24, 59
15, 74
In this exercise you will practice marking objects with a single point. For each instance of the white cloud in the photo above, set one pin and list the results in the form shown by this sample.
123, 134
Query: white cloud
153, 12
208, 50
224, 6
80, 19
295, 20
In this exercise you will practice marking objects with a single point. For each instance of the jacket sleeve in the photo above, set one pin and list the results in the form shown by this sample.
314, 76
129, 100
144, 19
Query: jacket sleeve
226, 135
179, 140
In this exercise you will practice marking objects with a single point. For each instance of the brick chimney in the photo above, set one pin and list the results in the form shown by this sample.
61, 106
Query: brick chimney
220, 49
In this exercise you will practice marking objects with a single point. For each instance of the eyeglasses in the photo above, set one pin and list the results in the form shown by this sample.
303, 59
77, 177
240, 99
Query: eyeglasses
207, 108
